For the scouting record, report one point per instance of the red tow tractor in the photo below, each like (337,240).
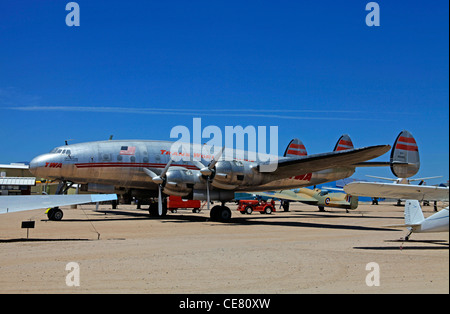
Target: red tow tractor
(250,206)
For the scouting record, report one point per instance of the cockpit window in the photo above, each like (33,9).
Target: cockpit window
(60,151)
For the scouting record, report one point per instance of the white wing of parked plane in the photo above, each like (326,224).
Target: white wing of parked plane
(398,191)
(16,203)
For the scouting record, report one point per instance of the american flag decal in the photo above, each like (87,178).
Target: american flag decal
(127,150)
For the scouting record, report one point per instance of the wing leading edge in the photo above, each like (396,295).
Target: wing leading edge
(287,167)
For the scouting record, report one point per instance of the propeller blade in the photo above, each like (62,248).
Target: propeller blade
(216,158)
(159,200)
(208,200)
(150,173)
(163,173)
(159,179)
(198,164)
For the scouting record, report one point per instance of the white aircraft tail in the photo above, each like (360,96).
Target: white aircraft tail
(413,213)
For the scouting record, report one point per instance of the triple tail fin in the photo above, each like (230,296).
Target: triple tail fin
(405,161)
(295,149)
(343,143)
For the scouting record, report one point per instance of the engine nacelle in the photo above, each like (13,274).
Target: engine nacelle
(180,181)
(215,195)
(231,174)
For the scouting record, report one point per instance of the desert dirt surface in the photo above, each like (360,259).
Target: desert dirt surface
(300,251)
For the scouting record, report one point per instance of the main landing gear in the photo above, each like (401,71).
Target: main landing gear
(54,214)
(220,213)
(153,209)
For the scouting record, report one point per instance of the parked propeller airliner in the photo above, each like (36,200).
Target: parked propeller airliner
(145,170)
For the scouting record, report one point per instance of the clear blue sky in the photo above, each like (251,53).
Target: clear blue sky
(313,68)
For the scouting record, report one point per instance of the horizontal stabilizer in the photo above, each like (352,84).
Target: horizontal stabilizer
(382,178)
(403,226)
(16,203)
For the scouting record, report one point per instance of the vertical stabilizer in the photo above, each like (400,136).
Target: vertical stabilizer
(413,213)
(343,143)
(295,149)
(405,161)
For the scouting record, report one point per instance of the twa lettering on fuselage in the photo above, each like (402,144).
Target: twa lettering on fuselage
(53,164)
(303,177)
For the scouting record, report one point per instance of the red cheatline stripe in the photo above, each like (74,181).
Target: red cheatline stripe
(134,165)
(347,143)
(407,147)
(294,152)
(297,146)
(406,139)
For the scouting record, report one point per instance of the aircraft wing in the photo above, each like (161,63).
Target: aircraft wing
(398,191)
(16,203)
(287,167)
(288,195)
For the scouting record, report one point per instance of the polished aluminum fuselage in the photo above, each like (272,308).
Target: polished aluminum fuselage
(109,163)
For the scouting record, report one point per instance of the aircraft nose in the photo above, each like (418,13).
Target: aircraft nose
(35,164)
(38,165)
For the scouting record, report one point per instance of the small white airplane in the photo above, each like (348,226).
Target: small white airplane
(415,221)
(16,203)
